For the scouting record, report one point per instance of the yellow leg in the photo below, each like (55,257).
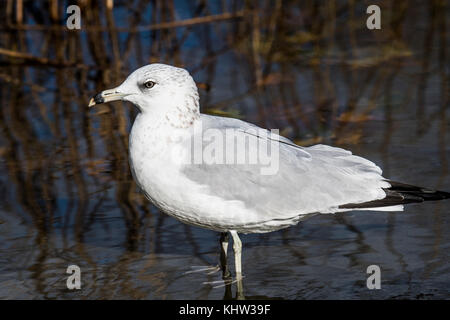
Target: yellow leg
(237,247)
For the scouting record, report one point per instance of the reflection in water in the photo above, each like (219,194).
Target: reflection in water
(312,70)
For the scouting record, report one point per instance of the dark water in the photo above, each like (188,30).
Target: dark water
(312,70)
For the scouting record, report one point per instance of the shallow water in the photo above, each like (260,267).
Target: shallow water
(68,196)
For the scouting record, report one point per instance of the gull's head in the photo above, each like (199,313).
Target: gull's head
(155,88)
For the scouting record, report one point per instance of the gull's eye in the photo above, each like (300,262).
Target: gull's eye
(149,84)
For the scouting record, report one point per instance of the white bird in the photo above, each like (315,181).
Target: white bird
(231,196)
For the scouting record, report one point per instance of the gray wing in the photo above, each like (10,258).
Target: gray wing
(308,180)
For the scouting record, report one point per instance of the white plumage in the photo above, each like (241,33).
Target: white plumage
(231,197)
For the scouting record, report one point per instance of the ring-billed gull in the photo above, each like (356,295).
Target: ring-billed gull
(187,165)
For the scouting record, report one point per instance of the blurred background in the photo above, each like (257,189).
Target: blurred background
(309,68)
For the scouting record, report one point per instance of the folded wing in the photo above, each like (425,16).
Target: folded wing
(306,180)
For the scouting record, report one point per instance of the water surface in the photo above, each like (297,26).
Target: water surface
(313,71)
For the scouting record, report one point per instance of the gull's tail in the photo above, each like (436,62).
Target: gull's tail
(399,194)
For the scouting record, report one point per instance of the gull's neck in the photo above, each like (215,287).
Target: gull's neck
(180,111)
(183,112)
(157,129)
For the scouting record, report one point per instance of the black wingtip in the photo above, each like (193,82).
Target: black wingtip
(443,195)
(426,194)
(401,193)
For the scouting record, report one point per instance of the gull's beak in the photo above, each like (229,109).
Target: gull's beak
(106,96)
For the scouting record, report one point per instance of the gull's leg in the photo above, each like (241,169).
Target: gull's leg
(223,255)
(237,247)
(226,276)
(240,290)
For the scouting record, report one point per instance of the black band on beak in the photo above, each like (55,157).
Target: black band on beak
(98,98)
